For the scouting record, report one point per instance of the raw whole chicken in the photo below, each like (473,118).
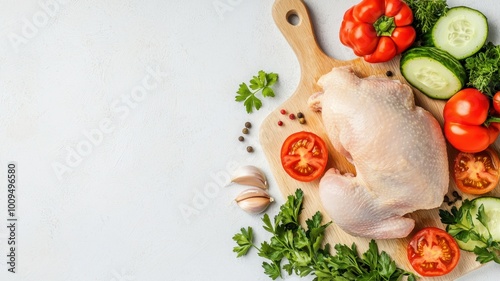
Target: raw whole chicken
(397,148)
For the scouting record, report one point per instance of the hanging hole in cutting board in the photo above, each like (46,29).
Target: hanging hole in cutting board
(293,18)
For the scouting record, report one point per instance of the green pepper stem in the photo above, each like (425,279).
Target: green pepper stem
(384,26)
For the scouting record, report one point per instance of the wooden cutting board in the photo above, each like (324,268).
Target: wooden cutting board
(292,18)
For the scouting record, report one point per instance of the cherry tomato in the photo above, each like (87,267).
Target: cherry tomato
(477,173)
(304,156)
(496,102)
(433,252)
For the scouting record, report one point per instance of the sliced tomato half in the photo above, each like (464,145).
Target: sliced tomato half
(304,156)
(476,173)
(433,252)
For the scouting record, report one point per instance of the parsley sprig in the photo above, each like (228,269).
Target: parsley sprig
(302,252)
(262,82)
(464,229)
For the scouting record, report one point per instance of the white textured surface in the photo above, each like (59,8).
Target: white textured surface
(71,77)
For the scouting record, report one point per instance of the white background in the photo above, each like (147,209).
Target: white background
(117,182)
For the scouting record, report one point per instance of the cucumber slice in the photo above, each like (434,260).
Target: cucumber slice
(492,210)
(434,72)
(462,32)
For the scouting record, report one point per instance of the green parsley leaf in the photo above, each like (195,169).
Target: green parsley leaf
(262,82)
(243,92)
(386,266)
(301,241)
(269,252)
(273,269)
(371,256)
(268,226)
(460,234)
(448,217)
(244,241)
(267,92)
(271,78)
(290,211)
(481,216)
(483,255)
(251,102)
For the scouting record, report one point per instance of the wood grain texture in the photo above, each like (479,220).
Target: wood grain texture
(314,63)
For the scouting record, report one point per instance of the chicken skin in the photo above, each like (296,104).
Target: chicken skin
(397,148)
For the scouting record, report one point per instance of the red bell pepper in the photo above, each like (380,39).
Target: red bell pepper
(467,124)
(378,30)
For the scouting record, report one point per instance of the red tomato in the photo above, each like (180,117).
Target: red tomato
(433,252)
(467,106)
(304,156)
(496,102)
(476,173)
(470,138)
(464,116)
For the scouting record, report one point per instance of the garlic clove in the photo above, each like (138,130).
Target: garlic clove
(254,200)
(250,175)
(250,180)
(252,192)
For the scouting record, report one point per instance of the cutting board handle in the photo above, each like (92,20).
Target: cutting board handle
(292,18)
